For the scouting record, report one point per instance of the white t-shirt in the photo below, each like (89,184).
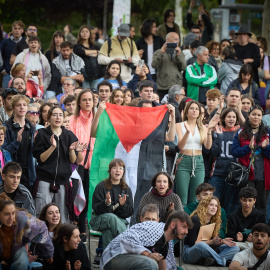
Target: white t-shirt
(150,51)
(33,64)
(248,259)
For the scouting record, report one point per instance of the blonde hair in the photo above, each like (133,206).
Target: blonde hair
(199,122)
(16,69)
(15,99)
(201,212)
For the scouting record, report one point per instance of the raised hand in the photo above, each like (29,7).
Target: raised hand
(218,129)
(74,145)
(101,107)
(187,127)
(108,198)
(239,237)
(53,141)
(213,122)
(77,265)
(265,142)
(81,147)
(171,206)
(123,199)
(251,143)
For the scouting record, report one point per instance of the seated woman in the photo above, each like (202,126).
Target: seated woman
(69,252)
(245,83)
(50,214)
(112,203)
(247,102)
(18,228)
(117,97)
(128,96)
(214,251)
(113,76)
(162,195)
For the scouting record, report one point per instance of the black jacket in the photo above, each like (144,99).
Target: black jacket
(57,167)
(61,256)
(238,223)
(141,44)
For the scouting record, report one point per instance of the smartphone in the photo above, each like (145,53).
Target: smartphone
(125,60)
(141,63)
(170,47)
(35,73)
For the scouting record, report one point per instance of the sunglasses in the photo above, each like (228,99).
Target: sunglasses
(54,104)
(33,113)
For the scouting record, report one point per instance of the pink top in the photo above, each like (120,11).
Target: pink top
(81,127)
(2,159)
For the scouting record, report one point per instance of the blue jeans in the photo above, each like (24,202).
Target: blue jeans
(49,94)
(192,255)
(230,193)
(131,262)
(20,260)
(5,80)
(90,84)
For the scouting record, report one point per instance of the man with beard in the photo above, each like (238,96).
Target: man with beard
(147,245)
(256,257)
(66,65)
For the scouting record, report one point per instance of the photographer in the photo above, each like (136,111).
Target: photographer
(169,62)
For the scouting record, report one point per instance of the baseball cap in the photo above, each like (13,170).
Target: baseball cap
(124,30)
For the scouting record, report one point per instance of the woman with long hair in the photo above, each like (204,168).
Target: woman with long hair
(245,82)
(112,75)
(251,144)
(87,49)
(190,166)
(43,112)
(112,203)
(80,124)
(54,49)
(247,102)
(222,153)
(69,251)
(215,251)
(117,97)
(128,96)
(18,228)
(162,195)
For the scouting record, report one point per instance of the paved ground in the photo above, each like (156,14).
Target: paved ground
(94,243)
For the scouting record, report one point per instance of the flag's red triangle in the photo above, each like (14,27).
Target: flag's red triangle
(133,124)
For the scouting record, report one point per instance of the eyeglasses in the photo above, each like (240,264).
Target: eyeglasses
(54,104)
(67,84)
(31,29)
(119,168)
(33,112)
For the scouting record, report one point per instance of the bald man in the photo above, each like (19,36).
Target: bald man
(169,62)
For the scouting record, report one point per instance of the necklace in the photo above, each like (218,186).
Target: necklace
(255,130)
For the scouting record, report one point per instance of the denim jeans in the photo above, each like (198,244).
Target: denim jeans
(230,193)
(201,250)
(20,260)
(49,94)
(5,80)
(186,181)
(131,262)
(90,84)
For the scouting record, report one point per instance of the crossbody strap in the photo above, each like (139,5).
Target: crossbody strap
(260,261)
(87,152)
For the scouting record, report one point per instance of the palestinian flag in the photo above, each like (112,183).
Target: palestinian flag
(135,135)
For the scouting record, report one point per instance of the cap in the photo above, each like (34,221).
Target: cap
(124,30)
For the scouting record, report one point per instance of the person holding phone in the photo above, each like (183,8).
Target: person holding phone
(203,21)
(169,61)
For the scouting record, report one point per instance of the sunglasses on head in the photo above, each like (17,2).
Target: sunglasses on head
(33,112)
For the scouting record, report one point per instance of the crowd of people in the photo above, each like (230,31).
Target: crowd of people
(217,95)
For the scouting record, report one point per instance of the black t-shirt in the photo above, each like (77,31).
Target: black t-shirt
(12,195)
(169,29)
(161,247)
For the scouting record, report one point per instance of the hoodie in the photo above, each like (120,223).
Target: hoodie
(56,169)
(228,72)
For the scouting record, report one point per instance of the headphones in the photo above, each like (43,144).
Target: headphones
(17,126)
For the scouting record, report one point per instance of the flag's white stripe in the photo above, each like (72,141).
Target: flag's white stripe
(131,160)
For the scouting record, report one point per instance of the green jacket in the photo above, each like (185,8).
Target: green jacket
(195,79)
(192,207)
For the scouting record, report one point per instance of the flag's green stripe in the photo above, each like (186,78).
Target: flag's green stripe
(104,150)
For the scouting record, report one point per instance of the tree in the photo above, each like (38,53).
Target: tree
(266,22)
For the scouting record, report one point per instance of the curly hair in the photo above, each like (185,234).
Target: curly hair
(211,44)
(201,212)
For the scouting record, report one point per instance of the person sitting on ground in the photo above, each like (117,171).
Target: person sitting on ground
(162,195)
(204,252)
(241,222)
(258,256)
(69,251)
(50,214)
(141,74)
(150,212)
(202,191)
(146,245)
(18,228)
(11,175)
(112,203)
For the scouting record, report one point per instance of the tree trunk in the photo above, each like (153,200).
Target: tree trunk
(266,23)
